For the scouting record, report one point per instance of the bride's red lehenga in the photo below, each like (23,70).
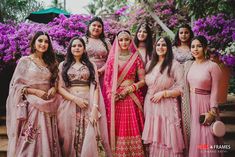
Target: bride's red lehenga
(125,116)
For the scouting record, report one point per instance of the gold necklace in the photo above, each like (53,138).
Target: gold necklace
(124,57)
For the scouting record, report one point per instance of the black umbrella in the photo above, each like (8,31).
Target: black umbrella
(46,15)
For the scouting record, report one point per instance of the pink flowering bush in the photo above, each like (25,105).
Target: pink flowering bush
(15,38)
(62,29)
(7,42)
(170,15)
(219,31)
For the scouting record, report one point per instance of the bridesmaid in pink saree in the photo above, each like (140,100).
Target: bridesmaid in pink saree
(32,103)
(162,128)
(82,108)
(123,77)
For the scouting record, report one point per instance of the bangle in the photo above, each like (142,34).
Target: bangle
(74,97)
(137,87)
(212,113)
(134,88)
(55,88)
(96,105)
(165,94)
(130,89)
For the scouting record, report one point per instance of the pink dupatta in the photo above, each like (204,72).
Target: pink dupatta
(90,148)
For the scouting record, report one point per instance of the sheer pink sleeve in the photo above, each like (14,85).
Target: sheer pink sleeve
(177,74)
(108,43)
(216,74)
(61,81)
(18,82)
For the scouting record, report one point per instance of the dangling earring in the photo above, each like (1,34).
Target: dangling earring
(206,55)
(33,49)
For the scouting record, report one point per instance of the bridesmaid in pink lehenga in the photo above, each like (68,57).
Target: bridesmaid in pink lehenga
(82,104)
(162,128)
(32,103)
(124,75)
(200,97)
(97,46)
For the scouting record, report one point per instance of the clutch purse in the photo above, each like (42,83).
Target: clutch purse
(217,127)
(21,112)
(22,108)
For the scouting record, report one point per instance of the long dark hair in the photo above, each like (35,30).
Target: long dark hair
(69,59)
(177,41)
(48,56)
(102,36)
(168,58)
(148,41)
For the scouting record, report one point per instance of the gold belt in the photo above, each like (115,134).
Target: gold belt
(200,91)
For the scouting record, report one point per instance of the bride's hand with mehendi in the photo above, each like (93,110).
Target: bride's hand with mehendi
(123,93)
(157,97)
(80,102)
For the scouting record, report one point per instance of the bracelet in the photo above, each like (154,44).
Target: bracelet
(212,113)
(55,89)
(130,89)
(24,91)
(96,105)
(133,87)
(165,94)
(74,97)
(137,87)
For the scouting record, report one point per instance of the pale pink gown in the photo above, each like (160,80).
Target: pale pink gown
(162,128)
(206,77)
(36,135)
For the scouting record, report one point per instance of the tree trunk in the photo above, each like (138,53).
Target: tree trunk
(163,26)
(169,32)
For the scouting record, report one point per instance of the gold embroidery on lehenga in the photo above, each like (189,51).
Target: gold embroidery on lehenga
(30,133)
(81,125)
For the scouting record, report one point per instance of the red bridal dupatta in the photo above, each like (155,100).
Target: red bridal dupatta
(113,77)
